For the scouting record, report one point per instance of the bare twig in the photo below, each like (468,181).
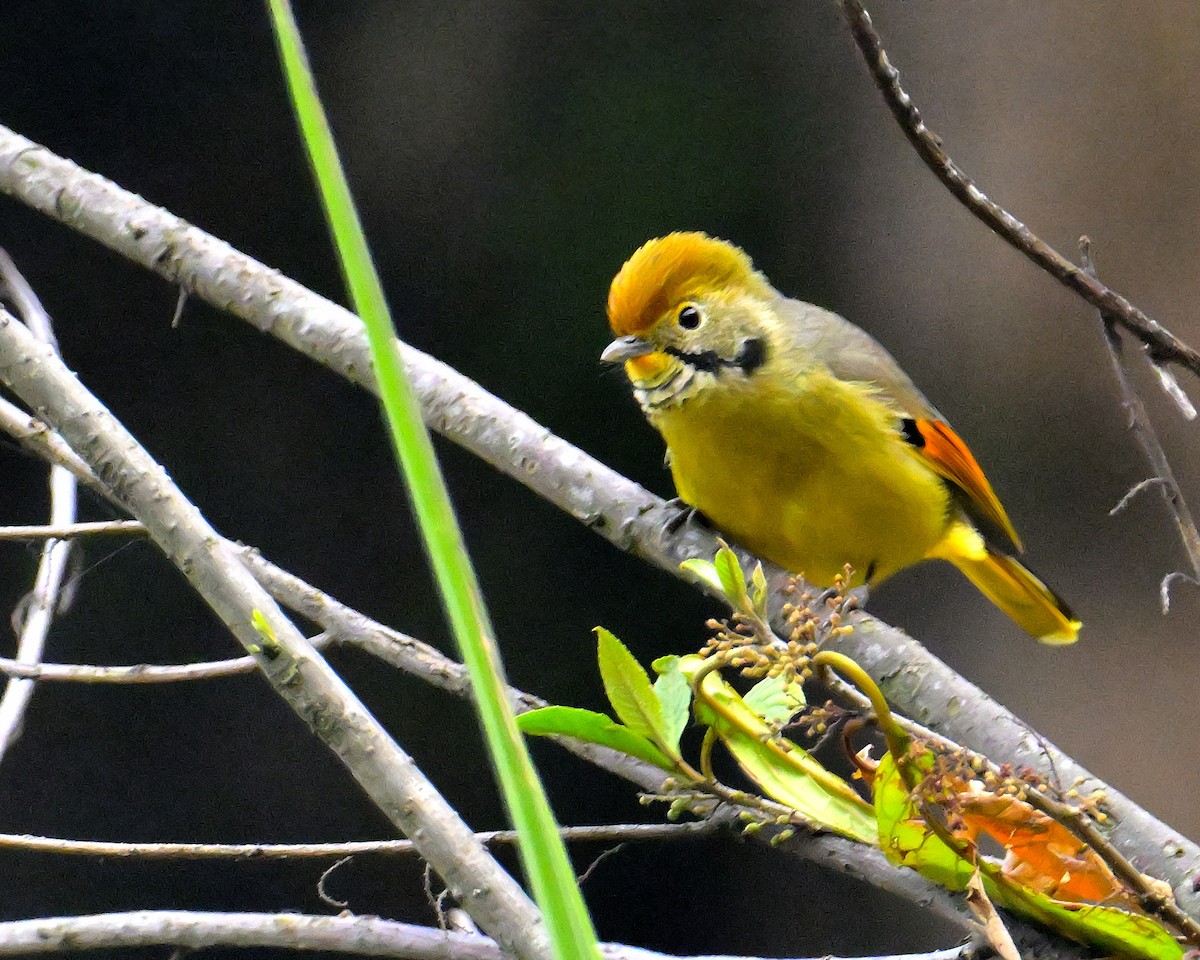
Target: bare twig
(1164,587)
(137,673)
(297,672)
(1131,494)
(72,531)
(37,610)
(365,936)
(1174,392)
(1161,343)
(1147,438)
(16,290)
(584,877)
(604,833)
(355,629)
(324,894)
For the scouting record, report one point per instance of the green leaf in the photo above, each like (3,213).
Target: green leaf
(675,697)
(733,581)
(705,572)
(1108,929)
(788,774)
(758,592)
(903,835)
(629,689)
(775,700)
(594,728)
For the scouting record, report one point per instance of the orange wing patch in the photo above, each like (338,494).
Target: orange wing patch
(944,450)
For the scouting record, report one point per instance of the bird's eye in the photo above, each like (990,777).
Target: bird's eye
(689,317)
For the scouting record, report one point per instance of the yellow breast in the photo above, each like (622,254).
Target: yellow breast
(808,471)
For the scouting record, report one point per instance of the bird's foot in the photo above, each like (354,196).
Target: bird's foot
(852,599)
(856,598)
(684,515)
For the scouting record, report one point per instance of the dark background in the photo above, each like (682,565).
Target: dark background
(507,157)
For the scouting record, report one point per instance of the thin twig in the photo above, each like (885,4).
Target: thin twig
(1162,344)
(604,833)
(1131,494)
(365,936)
(73,531)
(584,877)
(137,673)
(355,629)
(37,610)
(1171,387)
(1144,433)
(16,290)
(324,894)
(40,441)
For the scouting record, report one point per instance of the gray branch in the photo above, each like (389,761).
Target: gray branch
(1161,343)
(364,936)
(294,668)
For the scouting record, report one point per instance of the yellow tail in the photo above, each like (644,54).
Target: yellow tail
(1037,609)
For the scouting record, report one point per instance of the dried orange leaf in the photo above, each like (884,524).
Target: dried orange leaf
(1042,854)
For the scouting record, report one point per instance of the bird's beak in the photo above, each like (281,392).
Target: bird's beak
(626,348)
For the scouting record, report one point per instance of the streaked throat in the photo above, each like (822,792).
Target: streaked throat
(679,382)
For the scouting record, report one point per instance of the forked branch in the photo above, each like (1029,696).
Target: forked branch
(1162,345)
(295,670)
(1146,436)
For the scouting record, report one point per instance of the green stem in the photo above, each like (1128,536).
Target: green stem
(896,736)
(706,750)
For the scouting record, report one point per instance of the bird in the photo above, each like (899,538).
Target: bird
(794,432)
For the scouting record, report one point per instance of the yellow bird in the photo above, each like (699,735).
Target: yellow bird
(797,434)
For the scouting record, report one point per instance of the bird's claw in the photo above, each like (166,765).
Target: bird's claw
(684,514)
(856,598)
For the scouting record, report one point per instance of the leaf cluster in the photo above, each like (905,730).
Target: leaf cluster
(930,807)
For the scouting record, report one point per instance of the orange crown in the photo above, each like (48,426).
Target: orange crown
(667,270)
